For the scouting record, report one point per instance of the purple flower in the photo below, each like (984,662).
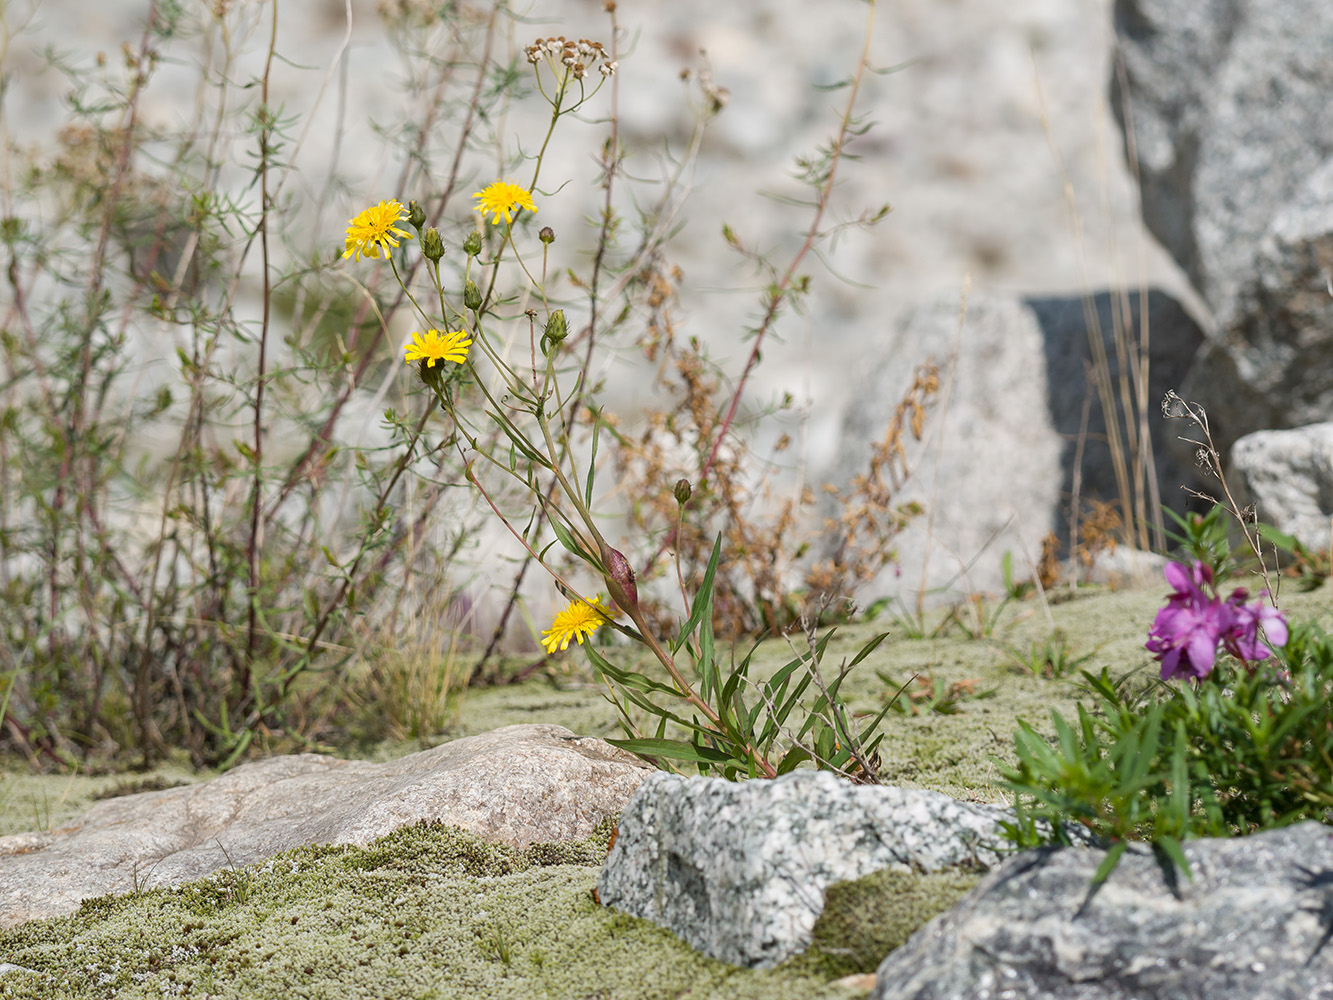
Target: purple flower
(1186,633)
(1242,639)
(1189,581)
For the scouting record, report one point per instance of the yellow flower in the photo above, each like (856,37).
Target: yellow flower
(432,346)
(579,619)
(502,199)
(374,228)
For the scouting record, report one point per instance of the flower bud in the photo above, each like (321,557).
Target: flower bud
(472,245)
(431,244)
(556,328)
(416,215)
(431,377)
(471,295)
(620,580)
(547,235)
(682,491)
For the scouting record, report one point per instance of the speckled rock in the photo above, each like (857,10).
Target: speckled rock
(1255,921)
(518,785)
(1232,127)
(1288,475)
(739,869)
(1021,391)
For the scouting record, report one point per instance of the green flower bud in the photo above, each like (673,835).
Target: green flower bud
(472,245)
(432,377)
(416,215)
(431,244)
(471,295)
(556,328)
(547,235)
(682,491)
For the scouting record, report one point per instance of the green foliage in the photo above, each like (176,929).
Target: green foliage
(1231,755)
(1309,567)
(931,696)
(1049,657)
(1203,538)
(761,727)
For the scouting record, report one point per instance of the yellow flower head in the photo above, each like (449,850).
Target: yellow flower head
(579,619)
(502,199)
(432,346)
(375,228)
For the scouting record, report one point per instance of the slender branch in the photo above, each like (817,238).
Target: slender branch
(266,123)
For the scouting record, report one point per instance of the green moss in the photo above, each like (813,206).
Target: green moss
(866,919)
(425,912)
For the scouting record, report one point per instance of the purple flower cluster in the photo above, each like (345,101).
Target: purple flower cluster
(1186,633)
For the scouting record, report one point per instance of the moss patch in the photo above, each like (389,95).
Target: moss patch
(866,919)
(426,912)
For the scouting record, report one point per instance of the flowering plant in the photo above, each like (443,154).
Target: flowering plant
(514,416)
(1186,634)
(1234,752)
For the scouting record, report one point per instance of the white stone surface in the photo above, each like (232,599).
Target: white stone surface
(518,785)
(1288,475)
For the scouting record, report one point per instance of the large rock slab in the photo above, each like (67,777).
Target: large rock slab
(1021,429)
(1227,104)
(518,785)
(1288,475)
(1255,921)
(739,869)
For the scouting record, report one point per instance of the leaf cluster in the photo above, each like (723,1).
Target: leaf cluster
(1234,754)
(791,718)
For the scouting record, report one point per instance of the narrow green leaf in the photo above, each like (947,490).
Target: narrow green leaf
(866,650)
(672,750)
(571,544)
(1170,846)
(592,461)
(1109,862)
(703,599)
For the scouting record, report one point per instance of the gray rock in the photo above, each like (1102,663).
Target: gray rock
(1125,567)
(1273,365)
(1173,339)
(1232,123)
(1288,475)
(518,785)
(1256,921)
(739,869)
(1003,454)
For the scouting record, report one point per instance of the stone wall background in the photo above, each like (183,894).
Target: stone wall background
(993,140)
